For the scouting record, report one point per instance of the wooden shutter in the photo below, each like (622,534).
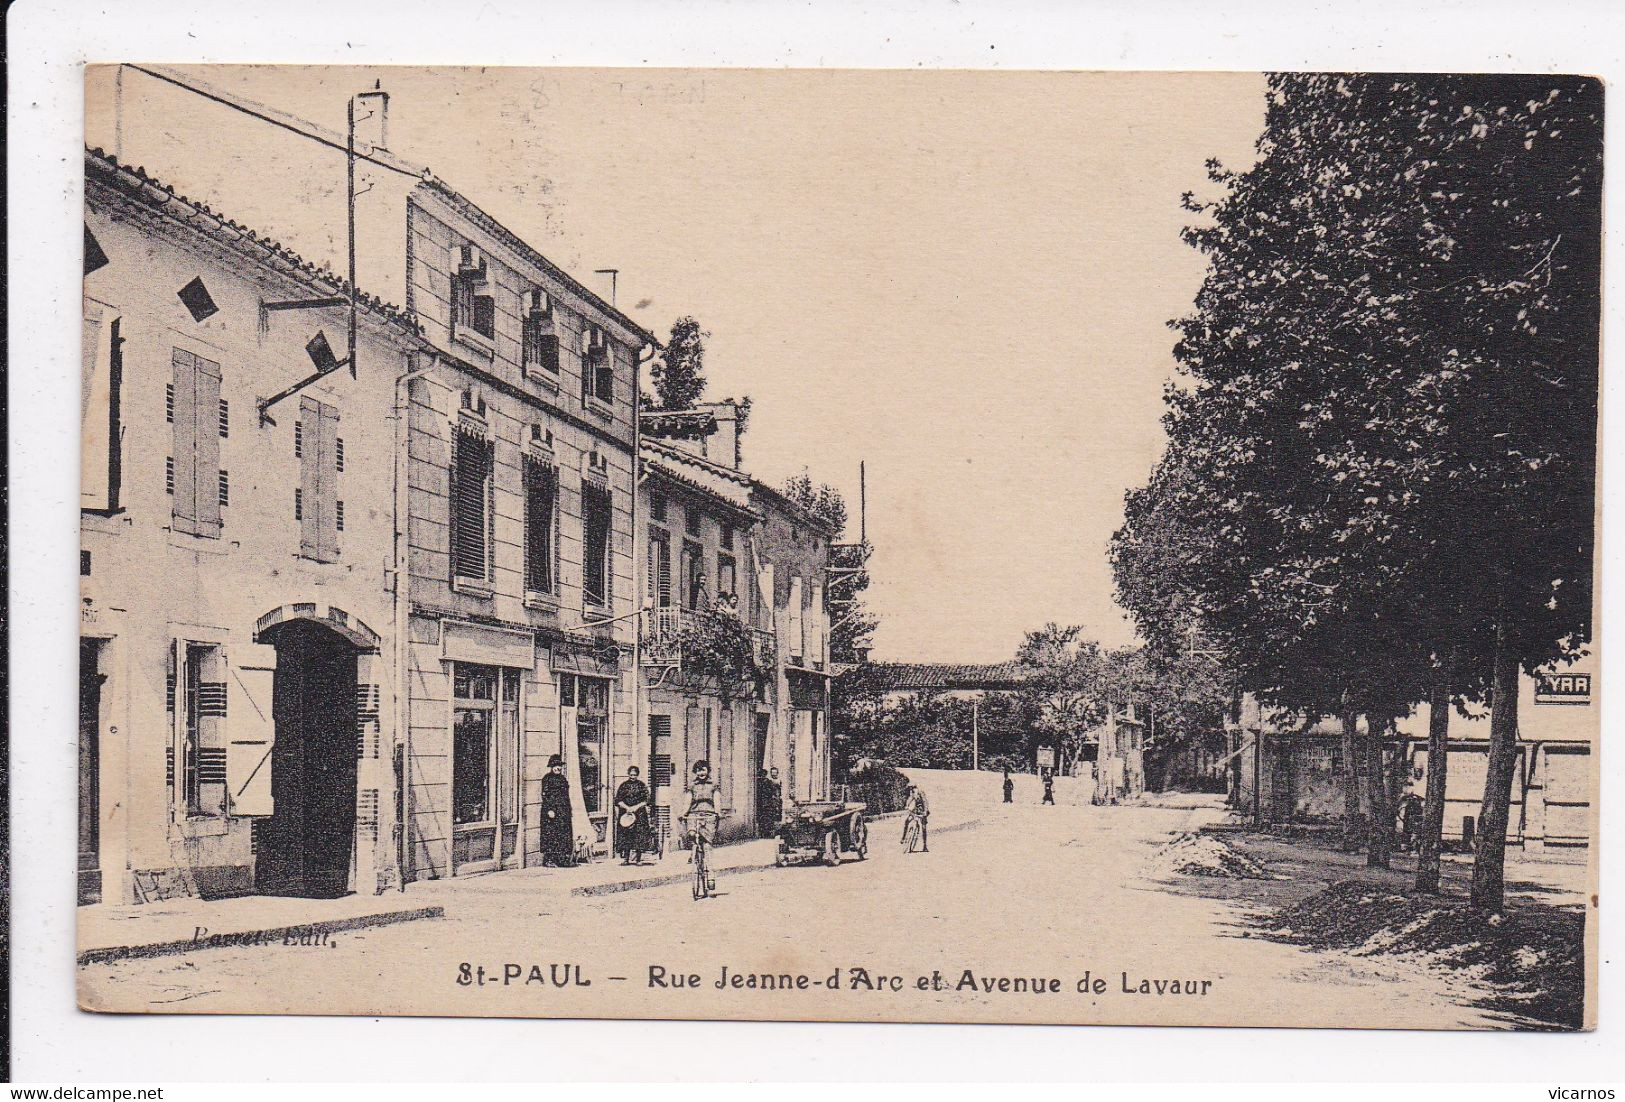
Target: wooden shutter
(327,482)
(471,463)
(206,441)
(660,568)
(816,643)
(798,639)
(541,490)
(309,464)
(605,367)
(250,729)
(183,510)
(596,514)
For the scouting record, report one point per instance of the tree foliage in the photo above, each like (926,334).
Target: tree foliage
(678,374)
(1381,446)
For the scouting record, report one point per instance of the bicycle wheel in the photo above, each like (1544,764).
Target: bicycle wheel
(702,887)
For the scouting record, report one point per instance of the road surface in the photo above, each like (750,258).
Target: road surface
(1018,913)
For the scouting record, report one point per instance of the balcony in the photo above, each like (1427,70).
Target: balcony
(712,642)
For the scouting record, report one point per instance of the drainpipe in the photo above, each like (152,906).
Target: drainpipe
(639,585)
(403,696)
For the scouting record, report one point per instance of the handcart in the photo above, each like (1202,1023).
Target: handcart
(822,830)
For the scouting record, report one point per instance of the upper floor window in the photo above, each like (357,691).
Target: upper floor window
(194,468)
(470,506)
(473,307)
(541,343)
(541,497)
(597,366)
(597,514)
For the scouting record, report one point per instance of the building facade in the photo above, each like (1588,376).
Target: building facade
(522,584)
(236,702)
(1285,771)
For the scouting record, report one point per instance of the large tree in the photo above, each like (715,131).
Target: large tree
(678,374)
(1378,483)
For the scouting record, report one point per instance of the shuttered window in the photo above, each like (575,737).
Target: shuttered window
(541,497)
(195,417)
(470,505)
(659,567)
(317,502)
(596,513)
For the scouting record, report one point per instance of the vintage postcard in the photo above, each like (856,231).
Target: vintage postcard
(927,546)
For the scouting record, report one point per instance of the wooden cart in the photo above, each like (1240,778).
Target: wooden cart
(824,831)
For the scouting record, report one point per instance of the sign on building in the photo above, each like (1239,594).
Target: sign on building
(1563,688)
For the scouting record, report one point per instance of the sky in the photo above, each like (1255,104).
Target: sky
(960,279)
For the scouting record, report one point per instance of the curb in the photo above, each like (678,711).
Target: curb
(266,936)
(663,881)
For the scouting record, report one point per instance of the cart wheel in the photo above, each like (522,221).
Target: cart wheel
(860,838)
(832,848)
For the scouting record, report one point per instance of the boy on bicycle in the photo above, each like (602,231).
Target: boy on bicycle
(703,800)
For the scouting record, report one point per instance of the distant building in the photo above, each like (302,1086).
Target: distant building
(954,680)
(1285,771)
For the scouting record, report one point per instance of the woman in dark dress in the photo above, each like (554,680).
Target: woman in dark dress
(632,818)
(558,837)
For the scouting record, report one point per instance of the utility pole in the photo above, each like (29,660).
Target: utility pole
(975,736)
(349,189)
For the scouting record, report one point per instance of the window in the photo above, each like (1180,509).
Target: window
(225,489)
(541,498)
(597,512)
(541,344)
(659,567)
(200,728)
(694,595)
(338,454)
(691,520)
(470,505)
(316,506)
(473,310)
(225,419)
(338,515)
(657,507)
(474,690)
(597,366)
(727,579)
(592,720)
(196,444)
(727,537)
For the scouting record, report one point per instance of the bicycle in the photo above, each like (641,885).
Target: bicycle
(704,883)
(911,834)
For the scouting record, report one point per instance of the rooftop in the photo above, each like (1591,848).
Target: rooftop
(929,675)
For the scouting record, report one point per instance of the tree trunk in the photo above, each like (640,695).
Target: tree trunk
(1353,821)
(1380,835)
(1431,839)
(1489,860)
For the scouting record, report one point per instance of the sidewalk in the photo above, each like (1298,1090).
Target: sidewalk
(108,932)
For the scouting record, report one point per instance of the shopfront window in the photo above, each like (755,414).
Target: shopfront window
(474,722)
(592,723)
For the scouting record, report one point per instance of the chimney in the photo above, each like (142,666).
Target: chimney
(722,446)
(372,117)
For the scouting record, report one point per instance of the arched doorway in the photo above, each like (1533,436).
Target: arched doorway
(304,848)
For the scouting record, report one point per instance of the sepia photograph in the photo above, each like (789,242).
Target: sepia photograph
(840,545)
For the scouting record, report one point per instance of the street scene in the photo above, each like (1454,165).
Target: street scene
(684,544)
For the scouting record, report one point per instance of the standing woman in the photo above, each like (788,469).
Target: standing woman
(558,838)
(632,818)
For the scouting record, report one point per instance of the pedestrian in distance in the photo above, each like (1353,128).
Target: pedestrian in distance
(1049,787)
(769,802)
(632,833)
(558,834)
(916,817)
(1009,787)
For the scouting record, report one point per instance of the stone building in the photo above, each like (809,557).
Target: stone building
(522,576)
(237,709)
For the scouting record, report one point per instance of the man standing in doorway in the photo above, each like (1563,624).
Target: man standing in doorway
(558,836)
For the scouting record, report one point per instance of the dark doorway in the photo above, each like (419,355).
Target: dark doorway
(304,848)
(90,728)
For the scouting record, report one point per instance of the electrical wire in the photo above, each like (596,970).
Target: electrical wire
(224,102)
